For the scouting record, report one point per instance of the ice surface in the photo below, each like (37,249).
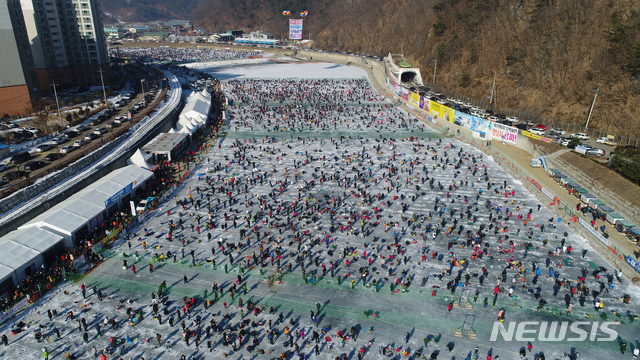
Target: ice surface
(353,168)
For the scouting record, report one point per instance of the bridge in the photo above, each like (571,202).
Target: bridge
(404,73)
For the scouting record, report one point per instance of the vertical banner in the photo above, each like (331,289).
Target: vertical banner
(295,29)
(415,99)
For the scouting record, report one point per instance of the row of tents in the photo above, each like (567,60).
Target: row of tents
(597,206)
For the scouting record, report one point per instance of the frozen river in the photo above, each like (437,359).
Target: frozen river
(355,212)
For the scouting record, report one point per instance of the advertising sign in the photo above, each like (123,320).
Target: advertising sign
(436,109)
(405,94)
(481,126)
(448,113)
(415,99)
(424,103)
(508,134)
(7,314)
(594,232)
(295,29)
(112,200)
(634,264)
(133,208)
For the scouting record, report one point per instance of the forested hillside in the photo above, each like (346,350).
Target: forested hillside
(149,10)
(548,54)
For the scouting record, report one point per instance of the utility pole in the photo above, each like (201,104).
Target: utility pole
(104,92)
(402,50)
(55,93)
(493,90)
(591,110)
(142,88)
(434,70)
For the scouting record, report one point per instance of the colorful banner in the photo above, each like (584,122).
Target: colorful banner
(634,264)
(508,134)
(405,94)
(415,99)
(535,137)
(295,29)
(594,232)
(436,109)
(463,119)
(424,104)
(448,114)
(481,125)
(9,313)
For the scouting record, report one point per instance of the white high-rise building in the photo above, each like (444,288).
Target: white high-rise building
(67,42)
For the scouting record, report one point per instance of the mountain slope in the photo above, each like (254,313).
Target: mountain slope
(149,10)
(548,55)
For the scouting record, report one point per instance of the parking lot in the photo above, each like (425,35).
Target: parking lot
(92,131)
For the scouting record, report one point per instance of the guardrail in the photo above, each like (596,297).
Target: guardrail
(138,133)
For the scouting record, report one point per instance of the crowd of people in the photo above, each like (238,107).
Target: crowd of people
(301,91)
(179,54)
(373,203)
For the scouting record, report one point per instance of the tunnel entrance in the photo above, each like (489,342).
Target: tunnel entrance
(407,76)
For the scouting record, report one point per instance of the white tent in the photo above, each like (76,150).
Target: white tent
(141,159)
(87,208)
(24,248)
(195,112)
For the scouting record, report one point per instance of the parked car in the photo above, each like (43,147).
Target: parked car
(81,128)
(557,131)
(59,140)
(44,147)
(606,141)
(144,204)
(67,149)
(79,142)
(53,156)
(120,119)
(596,152)
(542,127)
(3,167)
(90,136)
(113,124)
(71,134)
(564,141)
(13,175)
(537,131)
(20,157)
(581,136)
(99,131)
(34,165)
(513,119)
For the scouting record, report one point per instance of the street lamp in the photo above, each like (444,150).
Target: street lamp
(591,110)
(142,87)
(104,93)
(57,103)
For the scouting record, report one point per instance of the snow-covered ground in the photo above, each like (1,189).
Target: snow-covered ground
(289,71)
(319,182)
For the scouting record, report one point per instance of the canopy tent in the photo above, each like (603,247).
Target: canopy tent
(574,185)
(586,197)
(626,223)
(554,171)
(141,159)
(595,203)
(581,190)
(605,208)
(613,217)
(565,180)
